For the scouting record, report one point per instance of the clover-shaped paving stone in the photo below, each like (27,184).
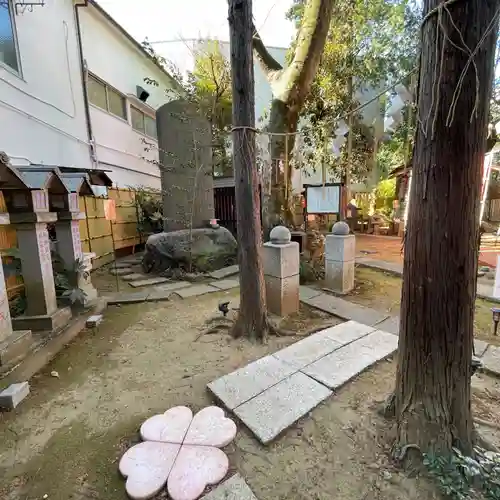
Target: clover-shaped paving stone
(179,450)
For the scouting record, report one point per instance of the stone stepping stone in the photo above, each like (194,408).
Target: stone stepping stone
(163,292)
(135,277)
(306,292)
(390,325)
(307,351)
(241,385)
(225,284)
(119,265)
(491,360)
(195,290)
(235,488)
(347,332)
(127,298)
(335,369)
(225,272)
(277,408)
(345,309)
(148,282)
(121,271)
(480,347)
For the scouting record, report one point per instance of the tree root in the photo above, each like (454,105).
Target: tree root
(387,409)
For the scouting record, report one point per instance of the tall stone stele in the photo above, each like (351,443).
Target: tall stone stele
(185,153)
(281,262)
(340,249)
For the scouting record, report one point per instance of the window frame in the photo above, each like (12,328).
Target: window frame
(12,15)
(144,116)
(108,87)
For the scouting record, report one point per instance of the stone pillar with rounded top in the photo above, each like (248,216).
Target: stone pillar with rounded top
(340,249)
(281,272)
(13,345)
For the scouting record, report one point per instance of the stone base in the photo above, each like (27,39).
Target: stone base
(15,347)
(282,295)
(54,322)
(339,276)
(90,295)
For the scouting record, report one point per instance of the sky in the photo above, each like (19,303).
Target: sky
(176,22)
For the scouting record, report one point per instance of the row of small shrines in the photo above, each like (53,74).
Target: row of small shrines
(35,196)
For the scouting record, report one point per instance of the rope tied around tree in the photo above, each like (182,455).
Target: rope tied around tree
(440,11)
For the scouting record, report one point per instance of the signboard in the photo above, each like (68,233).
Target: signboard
(110,209)
(323,199)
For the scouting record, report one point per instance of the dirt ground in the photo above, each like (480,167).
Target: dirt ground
(66,439)
(382,291)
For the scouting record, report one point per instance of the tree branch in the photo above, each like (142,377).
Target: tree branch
(267,62)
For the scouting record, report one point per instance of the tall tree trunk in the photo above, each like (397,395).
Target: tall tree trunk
(290,87)
(433,406)
(252,318)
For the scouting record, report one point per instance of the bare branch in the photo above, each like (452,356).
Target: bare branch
(267,61)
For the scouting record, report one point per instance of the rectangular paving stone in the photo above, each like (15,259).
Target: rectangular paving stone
(277,408)
(347,332)
(381,265)
(345,363)
(163,292)
(13,395)
(234,488)
(480,347)
(225,272)
(120,271)
(306,292)
(491,360)
(127,298)
(135,277)
(225,284)
(390,325)
(345,309)
(247,382)
(195,290)
(307,351)
(148,282)
(120,265)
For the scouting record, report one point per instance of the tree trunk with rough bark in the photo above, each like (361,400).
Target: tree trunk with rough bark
(433,402)
(252,318)
(290,87)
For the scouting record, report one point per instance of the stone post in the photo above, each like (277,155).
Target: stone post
(13,345)
(340,248)
(281,272)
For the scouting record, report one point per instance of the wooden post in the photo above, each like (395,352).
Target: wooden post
(252,318)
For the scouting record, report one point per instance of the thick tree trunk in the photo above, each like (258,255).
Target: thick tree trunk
(252,318)
(433,407)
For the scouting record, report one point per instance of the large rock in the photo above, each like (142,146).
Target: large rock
(210,249)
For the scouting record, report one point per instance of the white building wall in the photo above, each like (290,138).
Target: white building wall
(42,117)
(113,58)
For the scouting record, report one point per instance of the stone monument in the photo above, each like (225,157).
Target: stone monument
(340,249)
(184,145)
(281,262)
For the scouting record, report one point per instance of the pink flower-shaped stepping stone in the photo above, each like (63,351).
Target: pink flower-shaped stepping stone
(179,450)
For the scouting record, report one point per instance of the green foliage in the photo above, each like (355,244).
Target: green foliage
(66,280)
(150,213)
(371,42)
(462,478)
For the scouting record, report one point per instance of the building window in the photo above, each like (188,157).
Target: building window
(105,97)
(142,122)
(8,42)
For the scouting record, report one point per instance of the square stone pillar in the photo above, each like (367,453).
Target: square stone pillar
(36,262)
(85,282)
(340,253)
(281,261)
(13,345)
